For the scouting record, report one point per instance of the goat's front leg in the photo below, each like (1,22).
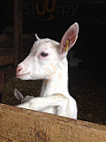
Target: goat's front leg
(40,103)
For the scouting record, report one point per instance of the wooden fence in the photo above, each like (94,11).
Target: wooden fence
(21,125)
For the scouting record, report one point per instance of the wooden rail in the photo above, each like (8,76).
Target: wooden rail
(21,125)
(6,60)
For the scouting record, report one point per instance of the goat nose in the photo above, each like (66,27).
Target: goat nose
(18,69)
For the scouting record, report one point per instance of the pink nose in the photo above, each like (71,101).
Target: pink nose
(18,69)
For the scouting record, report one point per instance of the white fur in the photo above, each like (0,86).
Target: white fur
(53,70)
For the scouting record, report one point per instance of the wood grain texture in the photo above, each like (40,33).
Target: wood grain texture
(21,125)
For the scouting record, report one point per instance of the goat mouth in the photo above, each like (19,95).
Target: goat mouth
(21,75)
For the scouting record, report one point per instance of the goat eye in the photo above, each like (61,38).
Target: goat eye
(44,54)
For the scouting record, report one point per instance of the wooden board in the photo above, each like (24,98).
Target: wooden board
(18,4)
(21,125)
(5,60)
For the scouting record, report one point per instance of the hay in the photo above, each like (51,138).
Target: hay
(91,100)
(31,88)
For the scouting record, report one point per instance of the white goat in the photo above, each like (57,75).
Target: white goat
(47,61)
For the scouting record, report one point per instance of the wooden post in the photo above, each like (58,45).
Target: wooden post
(18,14)
(21,125)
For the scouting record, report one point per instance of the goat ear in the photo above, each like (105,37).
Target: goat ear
(18,95)
(69,39)
(36,36)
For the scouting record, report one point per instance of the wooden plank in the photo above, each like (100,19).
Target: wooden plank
(10,37)
(17,29)
(5,60)
(21,125)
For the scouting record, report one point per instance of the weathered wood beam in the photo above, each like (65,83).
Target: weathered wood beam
(21,125)
(6,60)
(17,28)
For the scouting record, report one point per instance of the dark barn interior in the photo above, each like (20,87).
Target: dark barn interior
(21,19)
